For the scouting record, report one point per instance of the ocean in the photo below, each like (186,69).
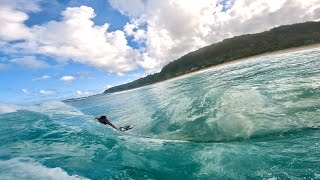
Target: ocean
(252,119)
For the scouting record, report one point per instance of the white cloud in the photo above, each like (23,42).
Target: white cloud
(138,75)
(45,77)
(42,78)
(132,29)
(12,27)
(30,62)
(165,30)
(129,7)
(84,42)
(25,91)
(84,75)
(67,78)
(12,17)
(83,92)
(74,38)
(22,5)
(109,86)
(172,28)
(8,108)
(46,92)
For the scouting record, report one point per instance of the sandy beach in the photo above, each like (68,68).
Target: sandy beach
(294,49)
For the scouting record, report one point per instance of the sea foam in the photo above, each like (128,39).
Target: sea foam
(27,168)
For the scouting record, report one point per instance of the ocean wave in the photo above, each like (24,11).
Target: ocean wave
(55,107)
(49,108)
(232,115)
(28,168)
(8,108)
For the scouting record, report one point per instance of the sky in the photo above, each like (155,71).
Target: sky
(59,49)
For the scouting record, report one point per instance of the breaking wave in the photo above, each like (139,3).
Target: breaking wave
(256,118)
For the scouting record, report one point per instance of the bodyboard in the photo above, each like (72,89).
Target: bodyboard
(126,128)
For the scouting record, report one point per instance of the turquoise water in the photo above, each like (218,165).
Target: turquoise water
(255,119)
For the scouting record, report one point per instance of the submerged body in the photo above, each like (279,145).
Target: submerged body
(105,121)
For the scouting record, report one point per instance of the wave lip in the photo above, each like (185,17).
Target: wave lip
(49,108)
(8,108)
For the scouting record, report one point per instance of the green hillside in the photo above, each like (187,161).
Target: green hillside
(238,47)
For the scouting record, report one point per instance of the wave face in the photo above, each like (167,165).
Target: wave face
(255,119)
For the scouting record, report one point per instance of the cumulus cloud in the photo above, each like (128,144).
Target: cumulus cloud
(164,30)
(67,78)
(172,28)
(30,62)
(74,38)
(88,43)
(12,27)
(46,92)
(132,29)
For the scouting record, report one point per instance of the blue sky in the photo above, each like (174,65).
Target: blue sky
(21,84)
(62,49)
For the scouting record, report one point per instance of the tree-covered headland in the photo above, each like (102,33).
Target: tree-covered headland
(231,49)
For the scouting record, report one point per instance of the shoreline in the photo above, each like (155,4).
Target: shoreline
(283,51)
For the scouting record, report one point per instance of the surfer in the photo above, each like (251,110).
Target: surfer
(105,121)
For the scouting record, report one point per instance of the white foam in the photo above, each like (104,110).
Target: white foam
(49,108)
(8,108)
(151,140)
(211,159)
(56,107)
(232,119)
(27,168)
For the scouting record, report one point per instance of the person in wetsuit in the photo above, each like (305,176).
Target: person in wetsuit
(105,121)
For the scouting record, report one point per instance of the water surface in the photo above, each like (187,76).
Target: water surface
(255,119)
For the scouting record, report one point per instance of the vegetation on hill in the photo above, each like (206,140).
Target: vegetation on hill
(238,47)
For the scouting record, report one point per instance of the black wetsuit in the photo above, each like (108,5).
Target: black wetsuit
(107,122)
